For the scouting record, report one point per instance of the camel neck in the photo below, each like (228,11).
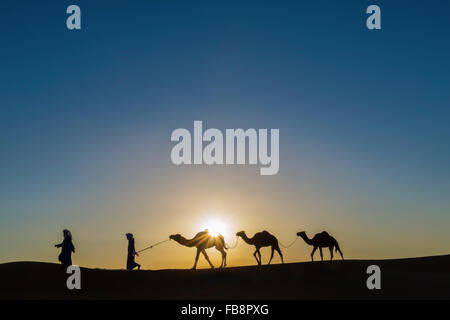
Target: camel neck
(247,239)
(185,242)
(306,239)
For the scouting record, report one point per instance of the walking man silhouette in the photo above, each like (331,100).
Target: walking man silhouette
(131,264)
(65,257)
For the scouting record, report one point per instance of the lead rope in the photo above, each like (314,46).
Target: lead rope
(290,245)
(235,245)
(153,245)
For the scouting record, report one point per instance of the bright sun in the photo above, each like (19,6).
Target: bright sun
(215,227)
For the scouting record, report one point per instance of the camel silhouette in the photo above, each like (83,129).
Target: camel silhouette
(202,241)
(259,240)
(321,240)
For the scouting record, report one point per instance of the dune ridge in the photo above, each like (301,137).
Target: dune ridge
(411,278)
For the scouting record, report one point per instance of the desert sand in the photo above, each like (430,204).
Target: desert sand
(413,278)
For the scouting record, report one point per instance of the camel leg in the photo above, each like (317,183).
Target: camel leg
(224,257)
(331,253)
(281,255)
(196,259)
(259,255)
(271,255)
(256,257)
(321,254)
(312,253)
(220,250)
(340,252)
(277,248)
(207,258)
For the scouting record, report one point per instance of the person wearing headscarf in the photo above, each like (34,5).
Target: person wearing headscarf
(67,247)
(131,264)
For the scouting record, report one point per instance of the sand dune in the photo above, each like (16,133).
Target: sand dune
(427,277)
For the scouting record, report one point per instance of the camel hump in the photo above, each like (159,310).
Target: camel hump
(267,235)
(324,233)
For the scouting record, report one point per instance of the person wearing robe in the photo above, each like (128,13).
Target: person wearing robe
(131,264)
(67,247)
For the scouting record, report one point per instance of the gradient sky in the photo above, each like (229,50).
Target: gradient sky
(86,118)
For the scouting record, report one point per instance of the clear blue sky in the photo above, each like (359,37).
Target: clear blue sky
(86,117)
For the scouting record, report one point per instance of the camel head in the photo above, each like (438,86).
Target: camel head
(240,233)
(301,234)
(175,237)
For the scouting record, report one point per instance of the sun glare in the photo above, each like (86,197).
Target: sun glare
(215,227)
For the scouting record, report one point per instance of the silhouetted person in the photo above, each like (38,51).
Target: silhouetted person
(131,264)
(65,257)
